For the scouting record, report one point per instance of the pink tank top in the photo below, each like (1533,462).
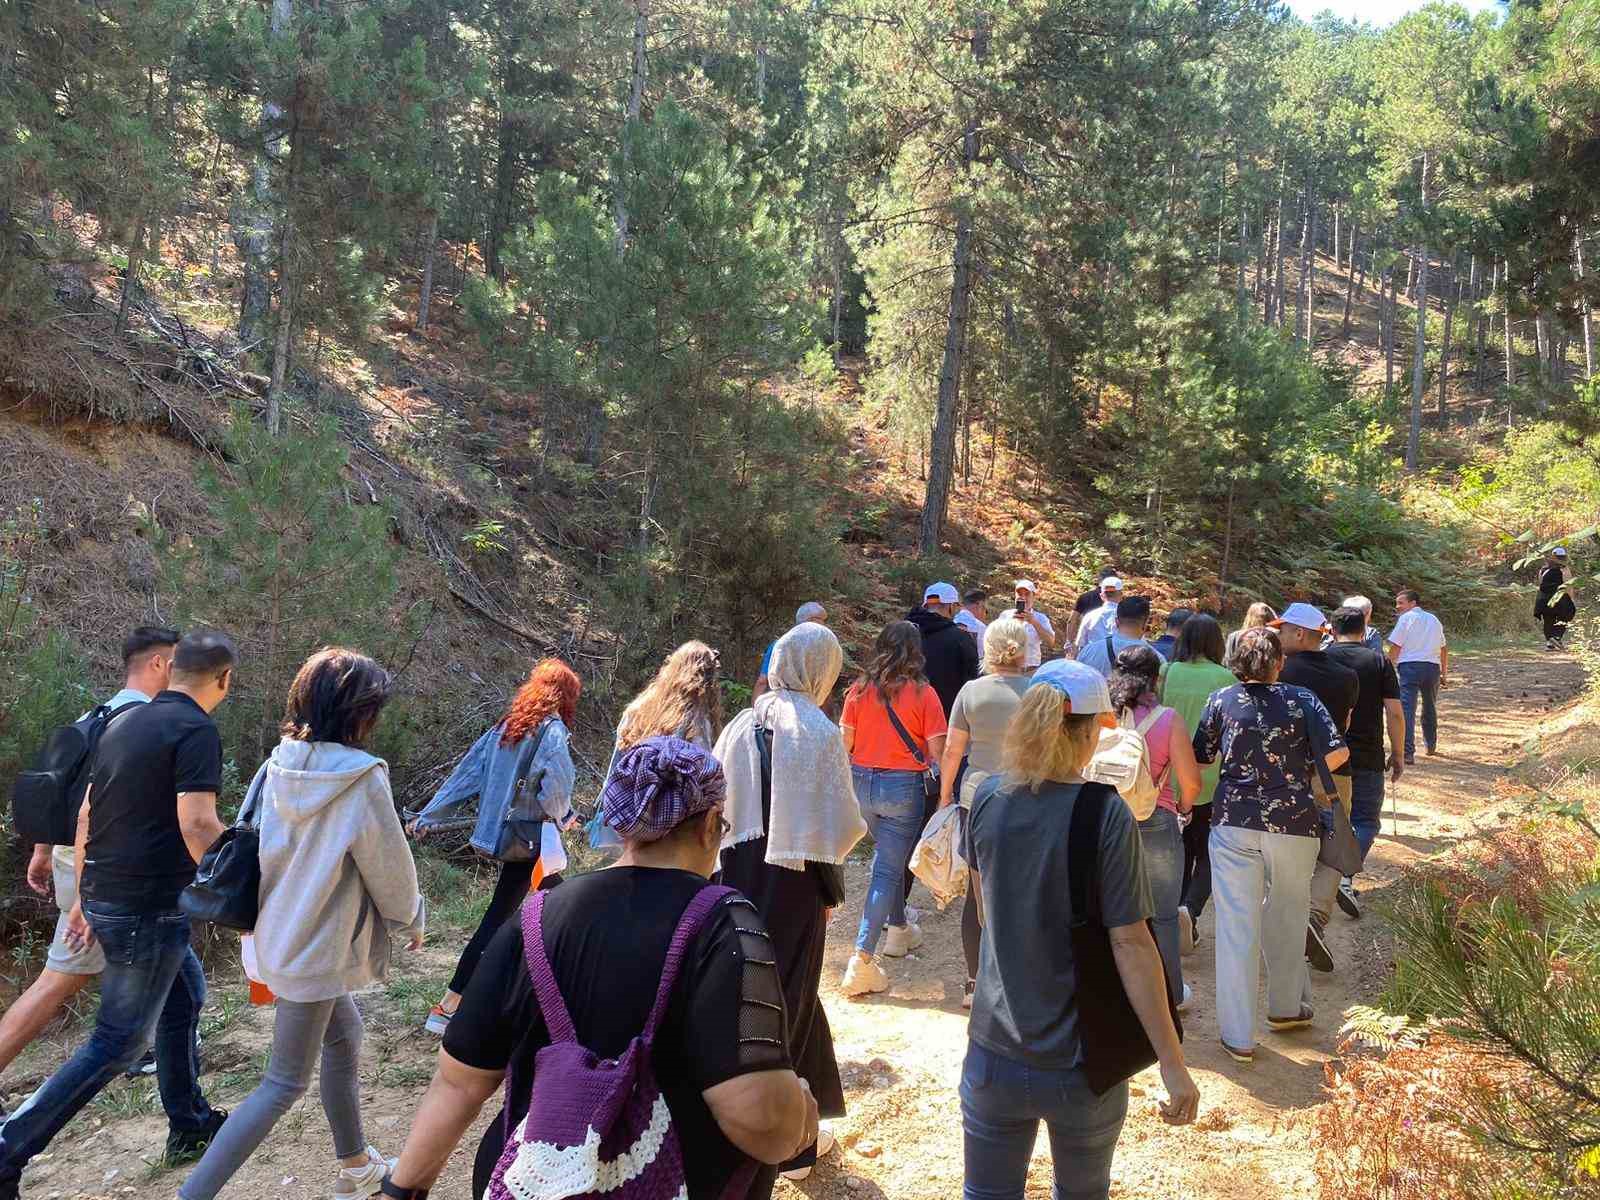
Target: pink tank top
(1158,744)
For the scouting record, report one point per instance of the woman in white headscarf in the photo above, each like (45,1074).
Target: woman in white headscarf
(792,818)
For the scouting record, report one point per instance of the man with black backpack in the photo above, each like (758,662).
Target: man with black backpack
(147,667)
(148,816)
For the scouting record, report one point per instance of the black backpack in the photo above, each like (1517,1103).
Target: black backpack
(45,802)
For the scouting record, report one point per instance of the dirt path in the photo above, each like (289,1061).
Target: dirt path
(902,1053)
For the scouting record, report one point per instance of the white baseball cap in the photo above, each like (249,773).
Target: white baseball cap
(1024,585)
(1559,552)
(943,593)
(1111,583)
(1304,615)
(1084,687)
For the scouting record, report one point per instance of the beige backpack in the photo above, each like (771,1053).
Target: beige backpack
(1122,759)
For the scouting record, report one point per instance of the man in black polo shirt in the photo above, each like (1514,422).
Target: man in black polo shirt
(150,813)
(1378,705)
(1307,665)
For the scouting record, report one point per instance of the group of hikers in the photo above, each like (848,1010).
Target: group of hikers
(658,1033)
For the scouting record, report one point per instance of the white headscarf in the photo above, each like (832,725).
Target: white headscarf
(815,817)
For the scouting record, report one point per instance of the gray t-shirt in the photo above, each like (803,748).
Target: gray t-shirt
(982,710)
(1025,1007)
(1094,654)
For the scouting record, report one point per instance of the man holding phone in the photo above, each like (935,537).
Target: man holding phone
(1041,634)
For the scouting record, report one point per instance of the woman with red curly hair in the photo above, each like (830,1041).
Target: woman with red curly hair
(522,775)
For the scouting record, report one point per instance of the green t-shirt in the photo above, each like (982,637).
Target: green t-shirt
(1186,686)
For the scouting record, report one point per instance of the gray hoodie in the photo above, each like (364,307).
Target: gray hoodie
(337,879)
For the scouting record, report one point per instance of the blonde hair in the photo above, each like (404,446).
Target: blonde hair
(683,693)
(1258,615)
(1046,740)
(1005,643)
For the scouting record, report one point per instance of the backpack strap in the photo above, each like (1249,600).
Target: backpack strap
(1083,852)
(689,925)
(1111,654)
(905,736)
(556,1017)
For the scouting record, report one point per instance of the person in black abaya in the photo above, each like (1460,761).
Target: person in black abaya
(793,817)
(1555,605)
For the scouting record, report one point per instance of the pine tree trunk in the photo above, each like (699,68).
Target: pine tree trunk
(1311,276)
(1391,305)
(1306,252)
(941,459)
(1227,546)
(256,227)
(1450,302)
(1350,280)
(1241,303)
(1505,285)
(1588,333)
(130,279)
(641,21)
(1277,282)
(1418,363)
(425,293)
(1483,325)
(1336,242)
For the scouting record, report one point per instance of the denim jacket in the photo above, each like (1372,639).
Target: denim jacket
(489,772)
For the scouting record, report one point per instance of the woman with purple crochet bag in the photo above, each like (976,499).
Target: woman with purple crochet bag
(636,1017)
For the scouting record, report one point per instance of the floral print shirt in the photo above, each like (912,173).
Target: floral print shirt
(1270,738)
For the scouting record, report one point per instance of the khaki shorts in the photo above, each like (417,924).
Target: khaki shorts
(91,960)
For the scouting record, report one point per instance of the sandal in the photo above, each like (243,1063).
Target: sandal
(1239,1056)
(1284,1024)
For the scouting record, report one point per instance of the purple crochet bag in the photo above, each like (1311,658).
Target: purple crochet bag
(597,1127)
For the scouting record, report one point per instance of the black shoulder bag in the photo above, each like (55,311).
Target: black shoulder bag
(227,884)
(1114,1044)
(829,877)
(930,781)
(518,838)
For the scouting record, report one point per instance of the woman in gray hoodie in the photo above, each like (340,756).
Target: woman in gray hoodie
(337,881)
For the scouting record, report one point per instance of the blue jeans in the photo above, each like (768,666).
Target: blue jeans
(891,805)
(1366,805)
(1420,679)
(152,988)
(1002,1103)
(1162,843)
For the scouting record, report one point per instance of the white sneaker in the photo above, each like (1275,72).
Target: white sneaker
(1185,931)
(863,976)
(901,940)
(825,1144)
(363,1181)
(1188,995)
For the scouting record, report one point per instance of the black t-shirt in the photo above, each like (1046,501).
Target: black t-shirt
(1335,684)
(1376,675)
(136,854)
(606,935)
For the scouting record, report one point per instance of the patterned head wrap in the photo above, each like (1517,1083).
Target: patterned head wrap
(657,785)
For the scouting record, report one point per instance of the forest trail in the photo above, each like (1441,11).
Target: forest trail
(901,1054)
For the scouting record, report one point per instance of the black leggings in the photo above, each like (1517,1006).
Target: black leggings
(1197,861)
(509,892)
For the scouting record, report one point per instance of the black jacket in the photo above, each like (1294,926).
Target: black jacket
(951,652)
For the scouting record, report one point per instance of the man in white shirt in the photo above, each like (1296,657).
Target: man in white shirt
(1041,634)
(1422,660)
(971,613)
(1102,622)
(147,668)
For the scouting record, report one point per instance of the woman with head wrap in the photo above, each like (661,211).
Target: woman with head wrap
(793,817)
(719,1055)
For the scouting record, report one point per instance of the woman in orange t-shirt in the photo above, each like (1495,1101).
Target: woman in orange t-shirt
(888,782)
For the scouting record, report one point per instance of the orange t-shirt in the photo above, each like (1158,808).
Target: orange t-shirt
(877,744)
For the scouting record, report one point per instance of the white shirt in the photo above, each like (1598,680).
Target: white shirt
(1033,657)
(1419,635)
(972,625)
(1097,625)
(66,856)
